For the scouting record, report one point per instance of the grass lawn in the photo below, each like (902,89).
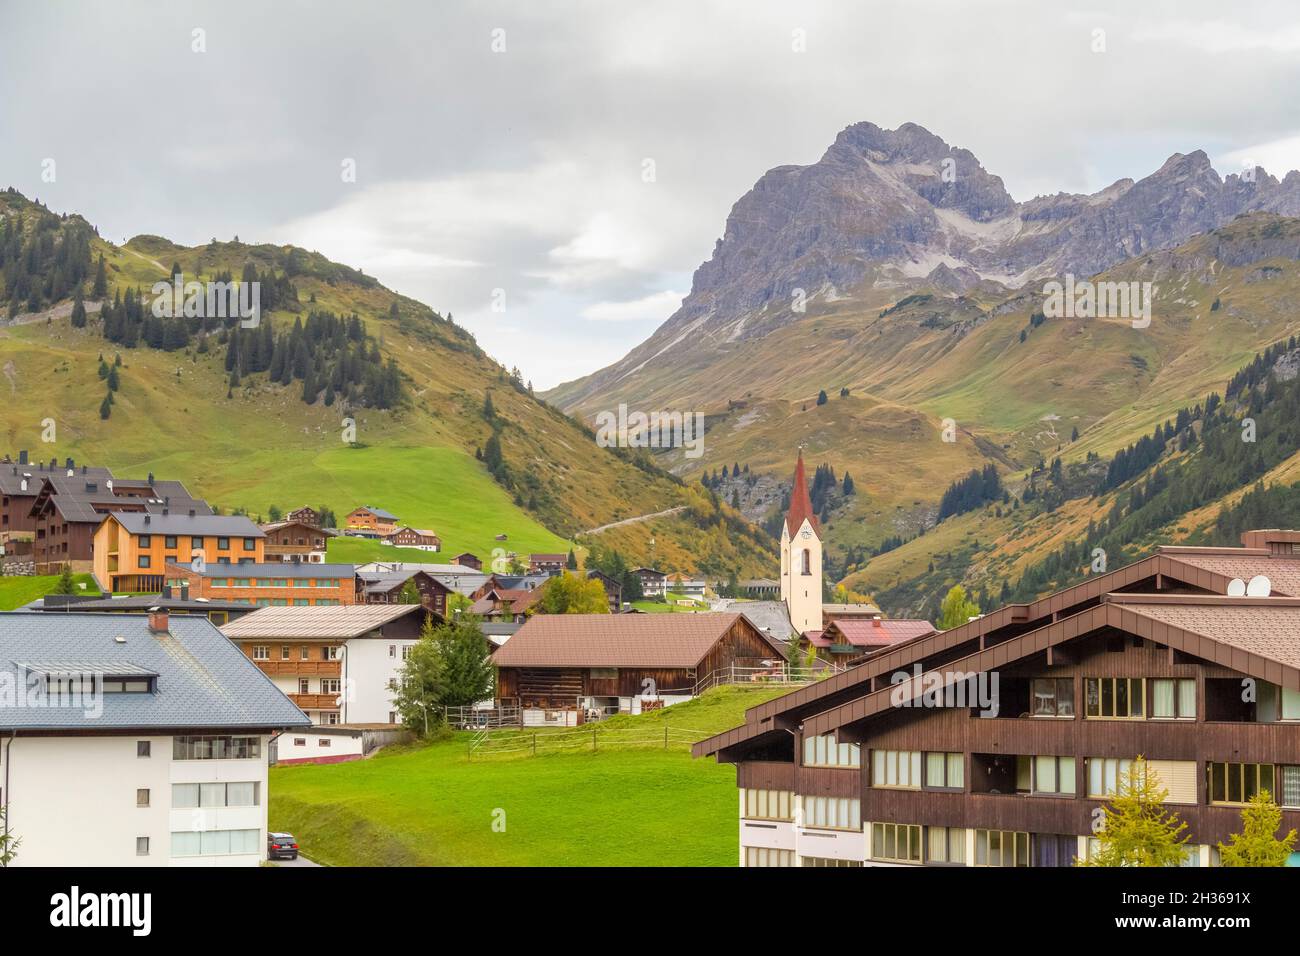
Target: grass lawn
(430,806)
(17,591)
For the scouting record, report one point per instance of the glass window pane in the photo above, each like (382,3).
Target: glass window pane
(1045,775)
(1066,772)
(185,795)
(1187,698)
(914,776)
(1065,697)
(212,794)
(1162,700)
(185,844)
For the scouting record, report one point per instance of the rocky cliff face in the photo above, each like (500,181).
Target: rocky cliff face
(903,209)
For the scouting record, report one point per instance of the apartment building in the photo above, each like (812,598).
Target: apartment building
(422,539)
(339,664)
(133,550)
(141,740)
(375,521)
(268,583)
(995,743)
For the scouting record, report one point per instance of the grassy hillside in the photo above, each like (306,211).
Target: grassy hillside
(622,805)
(18,591)
(258,444)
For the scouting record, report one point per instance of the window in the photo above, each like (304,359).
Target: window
(597,673)
(1290,789)
(169,541)
(261,652)
(900,842)
(947,845)
(323,742)
(215,842)
(146,541)
(827,861)
(1001,848)
(1045,774)
(187,796)
(762,856)
(824,751)
(896,768)
(945,771)
(1105,774)
(300,741)
(145,560)
(1115,697)
(331,685)
(330,653)
(141,846)
(284,652)
(304,685)
(250,544)
(329,717)
(832,813)
(216,748)
(1052,697)
(196,543)
(807,561)
(142,797)
(1238,782)
(223,544)
(1290,704)
(1173,699)
(142,748)
(305,652)
(769,805)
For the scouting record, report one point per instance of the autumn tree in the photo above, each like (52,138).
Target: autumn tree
(1258,844)
(1136,828)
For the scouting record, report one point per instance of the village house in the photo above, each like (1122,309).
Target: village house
(378,522)
(296,541)
(565,669)
(505,604)
(339,664)
(307,516)
(652,581)
(268,584)
(996,742)
(390,587)
(420,538)
(546,563)
(613,589)
(845,641)
(454,577)
(509,582)
(468,559)
(175,601)
(148,746)
(133,549)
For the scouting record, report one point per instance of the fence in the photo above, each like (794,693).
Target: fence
(475,718)
(590,737)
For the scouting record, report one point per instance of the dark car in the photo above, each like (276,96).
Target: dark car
(281,846)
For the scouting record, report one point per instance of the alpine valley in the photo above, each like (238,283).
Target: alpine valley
(883,308)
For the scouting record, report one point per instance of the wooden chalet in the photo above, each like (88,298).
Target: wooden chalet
(613,589)
(995,743)
(847,640)
(569,668)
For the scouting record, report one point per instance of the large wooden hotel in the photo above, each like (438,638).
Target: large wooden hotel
(995,743)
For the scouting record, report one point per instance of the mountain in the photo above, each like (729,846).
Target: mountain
(258,418)
(884,212)
(924,329)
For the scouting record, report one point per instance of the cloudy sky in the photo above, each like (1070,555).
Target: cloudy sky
(575,162)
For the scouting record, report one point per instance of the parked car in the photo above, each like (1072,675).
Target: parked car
(281,846)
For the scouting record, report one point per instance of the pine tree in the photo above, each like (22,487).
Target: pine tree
(100,289)
(1258,844)
(821,397)
(1137,830)
(106,406)
(78,313)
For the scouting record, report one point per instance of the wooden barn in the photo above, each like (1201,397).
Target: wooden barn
(569,668)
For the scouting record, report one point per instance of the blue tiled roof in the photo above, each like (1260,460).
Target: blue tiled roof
(204,681)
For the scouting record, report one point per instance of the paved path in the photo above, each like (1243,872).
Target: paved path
(619,524)
(301,861)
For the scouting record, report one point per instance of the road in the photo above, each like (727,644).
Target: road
(301,861)
(619,524)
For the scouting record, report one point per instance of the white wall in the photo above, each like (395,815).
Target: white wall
(368,668)
(338,746)
(72,801)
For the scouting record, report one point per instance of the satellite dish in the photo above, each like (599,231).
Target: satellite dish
(1259,586)
(1236,588)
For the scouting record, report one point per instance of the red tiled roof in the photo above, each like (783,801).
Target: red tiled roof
(878,633)
(801,508)
(617,640)
(815,638)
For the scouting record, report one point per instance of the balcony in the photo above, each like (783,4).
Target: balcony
(316,701)
(302,668)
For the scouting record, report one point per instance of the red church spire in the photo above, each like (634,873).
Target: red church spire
(800,504)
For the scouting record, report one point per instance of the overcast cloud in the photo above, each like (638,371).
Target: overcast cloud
(525,170)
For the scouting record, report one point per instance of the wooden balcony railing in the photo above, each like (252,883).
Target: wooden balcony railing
(315,701)
(302,668)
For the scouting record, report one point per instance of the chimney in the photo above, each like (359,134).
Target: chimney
(157,621)
(146,517)
(23,485)
(1274,540)
(151,478)
(167,590)
(185,590)
(22,457)
(191,512)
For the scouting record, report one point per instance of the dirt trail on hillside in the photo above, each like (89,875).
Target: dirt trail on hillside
(619,524)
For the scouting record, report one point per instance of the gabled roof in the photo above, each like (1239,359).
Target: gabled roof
(874,633)
(288,522)
(204,681)
(221,526)
(273,569)
(801,508)
(377,512)
(341,621)
(618,640)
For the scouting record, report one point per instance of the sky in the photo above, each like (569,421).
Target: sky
(551,174)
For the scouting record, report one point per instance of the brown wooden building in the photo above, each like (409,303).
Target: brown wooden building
(995,743)
(296,541)
(387,587)
(567,668)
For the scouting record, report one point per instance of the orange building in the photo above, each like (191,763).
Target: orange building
(377,520)
(133,549)
(270,584)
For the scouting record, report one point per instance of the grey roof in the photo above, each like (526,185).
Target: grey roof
(137,603)
(377,512)
(770,617)
(204,681)
(107,668)
(454,577)
(224,526)
(12,474)
(339,621)
(277,569)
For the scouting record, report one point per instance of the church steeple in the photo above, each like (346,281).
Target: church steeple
(801,508)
